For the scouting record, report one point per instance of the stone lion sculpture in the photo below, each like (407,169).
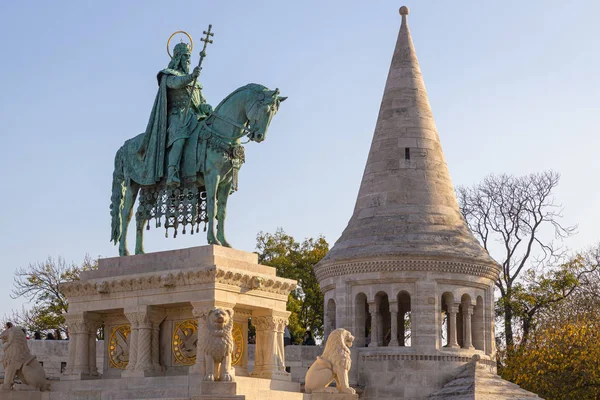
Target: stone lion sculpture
(216,345)
(17,360)
(333,364)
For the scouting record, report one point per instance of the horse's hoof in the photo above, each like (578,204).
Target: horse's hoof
(214,241)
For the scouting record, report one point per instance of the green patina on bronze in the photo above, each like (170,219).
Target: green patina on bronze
(186,162)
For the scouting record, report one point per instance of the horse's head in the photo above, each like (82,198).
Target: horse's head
(261,111)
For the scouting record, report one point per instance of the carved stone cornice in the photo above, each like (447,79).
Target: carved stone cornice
(331,270)
(243,313)
(238,278)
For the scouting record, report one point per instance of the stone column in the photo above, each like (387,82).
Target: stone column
(71,320)
(452,343)
(132,317)
(93,325)
(374,324)
(82,331)
(76,324)
(468,314)
(394,328)
(82,346)
(269,360)
(144,341)
(156,318)
(425,322)
(281,324)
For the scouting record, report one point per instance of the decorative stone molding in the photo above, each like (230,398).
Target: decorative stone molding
(325,271)
(387,356)
(188,277)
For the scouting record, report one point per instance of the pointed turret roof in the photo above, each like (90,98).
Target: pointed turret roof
(406,206)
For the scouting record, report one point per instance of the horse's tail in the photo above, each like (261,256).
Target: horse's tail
(117,196)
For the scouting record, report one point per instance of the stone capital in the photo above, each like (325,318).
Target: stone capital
(393,306)
(373,308)
(137,315)
(94,322)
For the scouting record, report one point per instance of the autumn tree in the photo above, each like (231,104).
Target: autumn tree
(517,220)
(39,283)
(559,361)
(294,260)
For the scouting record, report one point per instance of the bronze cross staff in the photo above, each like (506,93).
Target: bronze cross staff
(206,41)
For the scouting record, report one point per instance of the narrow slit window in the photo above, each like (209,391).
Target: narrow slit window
(407,153)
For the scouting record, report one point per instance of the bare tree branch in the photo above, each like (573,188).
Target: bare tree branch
(512,217)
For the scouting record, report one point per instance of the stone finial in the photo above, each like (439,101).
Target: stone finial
(404,10)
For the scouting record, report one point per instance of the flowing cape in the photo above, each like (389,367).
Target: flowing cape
(149,165)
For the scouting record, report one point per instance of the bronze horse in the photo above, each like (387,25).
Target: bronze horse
(217,153)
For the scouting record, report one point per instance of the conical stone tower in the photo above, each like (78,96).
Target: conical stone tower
(407,277)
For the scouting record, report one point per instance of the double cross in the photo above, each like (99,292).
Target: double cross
(206,41)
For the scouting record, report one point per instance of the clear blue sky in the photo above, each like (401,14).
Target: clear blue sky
(514,87)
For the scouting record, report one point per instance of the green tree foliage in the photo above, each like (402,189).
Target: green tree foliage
(295,260)
(559,361)
(39,283)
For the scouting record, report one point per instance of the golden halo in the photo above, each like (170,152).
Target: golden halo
(171,37)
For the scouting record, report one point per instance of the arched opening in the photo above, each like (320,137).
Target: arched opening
(330,323)
(362,320)
(464,325)
(404,319)
(449,321)
(478,325)
(383,320)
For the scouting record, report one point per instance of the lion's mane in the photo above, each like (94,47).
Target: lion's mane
(217,342)
(16,351)
(336,351)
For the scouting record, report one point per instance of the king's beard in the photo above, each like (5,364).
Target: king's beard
(185,67)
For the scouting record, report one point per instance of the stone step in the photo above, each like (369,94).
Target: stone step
(267,389)
(173,388)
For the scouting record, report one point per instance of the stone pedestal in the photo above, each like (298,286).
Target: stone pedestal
(269,361)
(154,309)
(218,391)
(333,396)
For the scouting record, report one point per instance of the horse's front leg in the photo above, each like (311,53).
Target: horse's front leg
(140,224)
(131,192)
(211,182)
(222,197)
